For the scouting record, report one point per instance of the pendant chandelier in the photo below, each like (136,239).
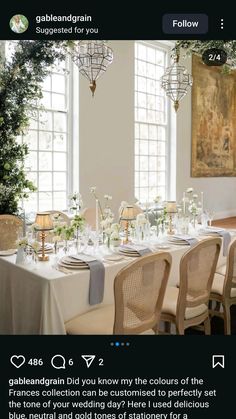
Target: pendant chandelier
(92,58)
(176,81)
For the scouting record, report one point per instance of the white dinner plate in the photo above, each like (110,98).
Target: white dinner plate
(7,252)
(132,255)
(76,268)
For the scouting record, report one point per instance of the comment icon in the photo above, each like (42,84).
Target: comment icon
(58,362)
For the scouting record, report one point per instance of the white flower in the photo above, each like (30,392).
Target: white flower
(108,197)
(22,242)
(108,213)
(108,231)
(189,190)
(195,196)
(92,189)
(115,235)
(193,209)
(158,199)
(133,224)
(107,222)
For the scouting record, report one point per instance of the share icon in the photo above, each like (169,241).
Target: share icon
(88,359)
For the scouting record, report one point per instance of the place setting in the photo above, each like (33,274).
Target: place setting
(182,240)
(134,250)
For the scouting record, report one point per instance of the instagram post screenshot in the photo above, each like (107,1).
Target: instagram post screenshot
(117,211)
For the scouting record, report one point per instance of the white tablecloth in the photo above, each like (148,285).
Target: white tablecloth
(39,300)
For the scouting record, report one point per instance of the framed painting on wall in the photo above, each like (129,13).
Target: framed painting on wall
(213,121)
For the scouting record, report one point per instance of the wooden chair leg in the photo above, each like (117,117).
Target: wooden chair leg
(207,326)
(180,329)
(227,319)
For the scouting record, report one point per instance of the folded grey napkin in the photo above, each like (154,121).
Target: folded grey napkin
(226,240)
(190,240)
(97,275)
(140,249)
(222,233)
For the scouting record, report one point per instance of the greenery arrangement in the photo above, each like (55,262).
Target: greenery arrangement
(199,47)
(20,89)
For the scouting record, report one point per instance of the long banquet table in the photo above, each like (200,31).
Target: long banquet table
(38,300)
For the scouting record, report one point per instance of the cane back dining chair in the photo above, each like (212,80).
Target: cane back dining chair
(187,305)
(223,290)
(10,227)
(139,291)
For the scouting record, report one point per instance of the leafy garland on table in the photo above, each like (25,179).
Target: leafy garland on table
(199,47)
(20,89)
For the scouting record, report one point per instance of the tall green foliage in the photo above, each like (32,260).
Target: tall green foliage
(20,88)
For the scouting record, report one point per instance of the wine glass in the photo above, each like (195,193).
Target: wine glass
(210,215)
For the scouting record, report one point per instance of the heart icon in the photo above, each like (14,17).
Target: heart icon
(17,360)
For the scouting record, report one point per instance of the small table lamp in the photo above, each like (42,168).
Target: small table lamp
(171,208)
(127,215)
(45,223)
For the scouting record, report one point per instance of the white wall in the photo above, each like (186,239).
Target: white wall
(219,192)
(107,130)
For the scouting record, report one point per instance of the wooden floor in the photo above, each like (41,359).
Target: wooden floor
(225,223)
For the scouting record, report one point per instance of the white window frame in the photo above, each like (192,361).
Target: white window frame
(72,112)
(170,154)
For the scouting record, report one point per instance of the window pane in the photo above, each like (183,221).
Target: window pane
(45,201)
(46,100)
(60,200)
(58,83)
(143,163)
(31,140)
(144,147)
(45,141)
(59,181)
(45,181)
(161,163)
(143,132)
(59,122)
(31,161)
(31,204)
(60,142)
(45,121)
(59,161)
(47,83)
(152,163)
(45,161)
(58,101)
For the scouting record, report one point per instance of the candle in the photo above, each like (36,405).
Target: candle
(147,210)
(24,224)
(202,200)
(184,204)
(97,217)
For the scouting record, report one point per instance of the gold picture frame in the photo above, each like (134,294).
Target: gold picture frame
(213,121)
